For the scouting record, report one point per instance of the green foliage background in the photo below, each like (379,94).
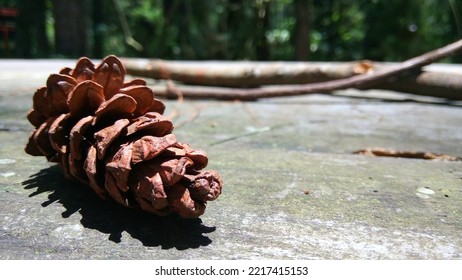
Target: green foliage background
(389,30)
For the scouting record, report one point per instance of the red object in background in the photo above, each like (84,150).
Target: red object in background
(7,24)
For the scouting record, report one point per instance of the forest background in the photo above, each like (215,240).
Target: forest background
(292,30)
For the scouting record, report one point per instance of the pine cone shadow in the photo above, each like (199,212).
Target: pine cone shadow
(108,217)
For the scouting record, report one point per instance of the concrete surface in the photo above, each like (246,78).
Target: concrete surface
(293,189)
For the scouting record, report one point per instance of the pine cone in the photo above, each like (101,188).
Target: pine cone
(111,135)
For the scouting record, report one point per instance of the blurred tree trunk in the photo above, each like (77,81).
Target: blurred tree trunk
(181,20)
(71,18)
(98,27)
(302,28)
(31,38)
(233,20)
(263,25)
(170,10)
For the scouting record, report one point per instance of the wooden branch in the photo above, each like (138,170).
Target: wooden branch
(434,84)
(245,73)
(362,81)
(251,74)
(427,83)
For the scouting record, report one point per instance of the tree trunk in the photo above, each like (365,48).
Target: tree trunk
(261,44)
(98,22)
(31,40)
(234,17)
(302,29)
(71,27)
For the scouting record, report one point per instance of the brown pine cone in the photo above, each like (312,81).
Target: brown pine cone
(111,135)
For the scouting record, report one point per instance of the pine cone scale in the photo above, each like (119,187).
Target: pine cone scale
(149,147)
(84,70)
(58,89)
(151,123)
(120,166)
(41,105)
(85,98)
(90,167)
(77,136)
(57,134)
(143,96)
(41,139)
(119,106)
(105,136)
(110,74)
(115,192)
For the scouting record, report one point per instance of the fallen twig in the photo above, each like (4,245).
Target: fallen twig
(245,73)
(362,81)
(434,84)
(382,152)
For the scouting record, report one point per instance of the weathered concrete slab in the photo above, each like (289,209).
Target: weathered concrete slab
(293,188)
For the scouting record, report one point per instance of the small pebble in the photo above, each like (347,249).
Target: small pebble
(7,161)
(8,174)
(425,190)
